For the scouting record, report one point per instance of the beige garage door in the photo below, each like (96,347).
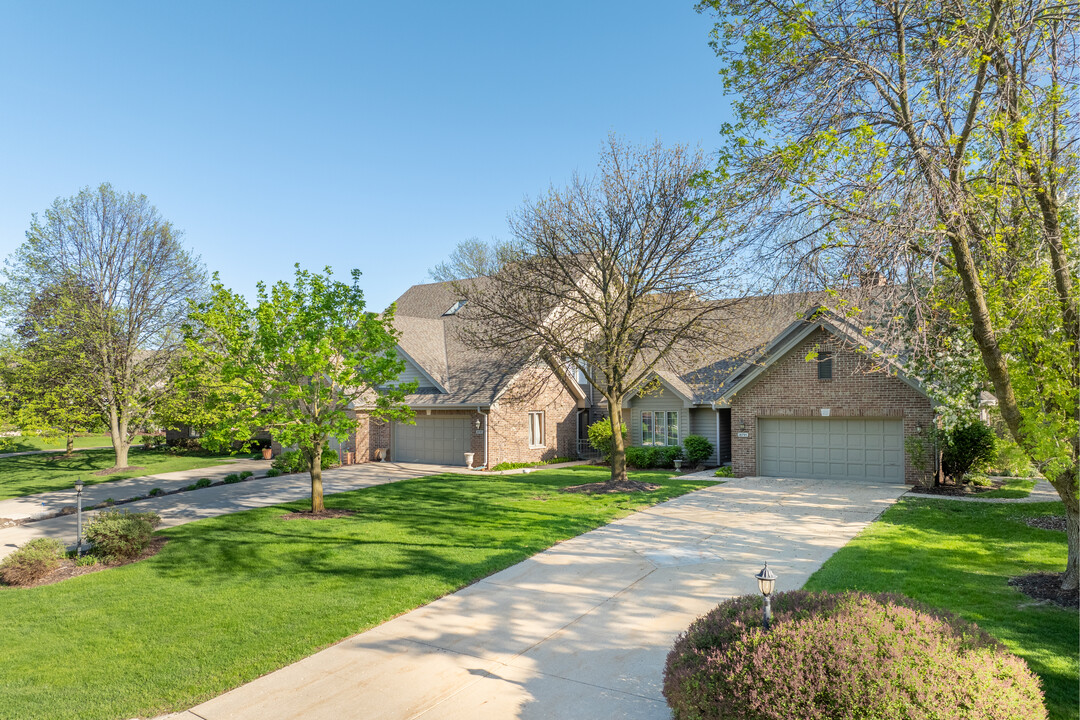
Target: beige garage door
(840,448)
(431,440)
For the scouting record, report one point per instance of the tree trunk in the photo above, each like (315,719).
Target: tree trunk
(70,445)
(1065,489)
(618,444)
(316,480)
(119,438)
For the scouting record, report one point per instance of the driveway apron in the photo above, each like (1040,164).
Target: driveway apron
(581,630)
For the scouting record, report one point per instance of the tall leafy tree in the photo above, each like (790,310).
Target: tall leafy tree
(300,363)
(931,145)
(126,278)
(617,274)
(55,389)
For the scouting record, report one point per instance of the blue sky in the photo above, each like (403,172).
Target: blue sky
(374,136)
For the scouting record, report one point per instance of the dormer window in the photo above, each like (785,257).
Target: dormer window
(454,308)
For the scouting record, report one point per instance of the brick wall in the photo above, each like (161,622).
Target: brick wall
(791,388)
(534,389)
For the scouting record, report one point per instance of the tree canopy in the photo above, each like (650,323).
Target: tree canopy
(300,363)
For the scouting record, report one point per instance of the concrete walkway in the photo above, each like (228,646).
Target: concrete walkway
(58,450)
(581,630)
(223,499)
(50,502)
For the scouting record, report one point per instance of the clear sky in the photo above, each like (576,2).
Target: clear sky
(367,135)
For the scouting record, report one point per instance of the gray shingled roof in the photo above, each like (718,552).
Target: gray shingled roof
(471,377)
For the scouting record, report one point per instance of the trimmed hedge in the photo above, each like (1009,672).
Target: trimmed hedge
(841,657)
(33,561)
(119,535)
(698,449)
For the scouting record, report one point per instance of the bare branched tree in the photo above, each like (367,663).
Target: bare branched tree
(932,145)
(617,274)
(473,258)
(118,251)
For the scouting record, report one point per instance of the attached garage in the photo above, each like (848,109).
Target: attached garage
(831,448)
(432,440)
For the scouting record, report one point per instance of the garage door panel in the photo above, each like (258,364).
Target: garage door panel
(840,448)
(432,440)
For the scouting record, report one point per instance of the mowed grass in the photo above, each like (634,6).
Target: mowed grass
(1013,488)
(960,556)
(231,598)
(24,443)
(30,474)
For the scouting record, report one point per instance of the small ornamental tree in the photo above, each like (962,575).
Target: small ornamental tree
(297,364)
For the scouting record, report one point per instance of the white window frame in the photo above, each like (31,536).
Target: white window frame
(532,436)
(660,418)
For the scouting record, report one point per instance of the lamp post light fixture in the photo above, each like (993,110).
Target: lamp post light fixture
(78,498)
(766,581)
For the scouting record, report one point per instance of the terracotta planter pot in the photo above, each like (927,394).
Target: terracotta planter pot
(267,453)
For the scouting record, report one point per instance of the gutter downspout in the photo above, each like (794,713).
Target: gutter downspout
(717,411)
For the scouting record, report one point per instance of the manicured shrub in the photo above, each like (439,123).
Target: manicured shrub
(33,561)
(153,442)
(273,472)
(155,492)
(698,449)
(231,478)
(600,437)
(202,483)
(293,461)
(966,448)
(725,471)
(86,560)
(246,474)
(640,457)
(844,656)
(119,535)
(666,455)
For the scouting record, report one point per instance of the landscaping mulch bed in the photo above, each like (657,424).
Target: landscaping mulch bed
(604,488)
(68,568)
(1046,587)
(1047,522)
(959,490)
(327,514)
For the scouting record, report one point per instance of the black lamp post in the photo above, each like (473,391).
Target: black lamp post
(766,581)
(78,497)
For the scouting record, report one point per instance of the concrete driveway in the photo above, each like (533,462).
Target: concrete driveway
(223,499)
(579,631)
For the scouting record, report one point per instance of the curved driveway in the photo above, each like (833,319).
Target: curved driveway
(578,631)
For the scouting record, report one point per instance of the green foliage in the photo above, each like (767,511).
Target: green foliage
(155,492)
(725,471)
(153,442)
(519,465)
(201,483)
(33,561)
(698,449)
(642,457)
(292,364)
(86,560)
(120,535)
(967,447)
(600,437)
(273,472)
(231,478)
(667,455)
(844,655)
(246,474)
(1011,460)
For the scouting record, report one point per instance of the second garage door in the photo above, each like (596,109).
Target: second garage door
(431,440)
(840,448)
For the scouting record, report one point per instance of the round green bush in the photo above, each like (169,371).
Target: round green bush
(967,448)
(698,449)
(119,535)
(841,657)
(600,437)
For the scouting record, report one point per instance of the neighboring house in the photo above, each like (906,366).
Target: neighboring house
(755,396)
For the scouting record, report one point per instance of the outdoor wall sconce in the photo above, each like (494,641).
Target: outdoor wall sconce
(477,424)
(766,581)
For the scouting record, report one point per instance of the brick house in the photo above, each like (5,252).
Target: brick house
(783,392)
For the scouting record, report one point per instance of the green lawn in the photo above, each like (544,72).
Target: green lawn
(231,598)
(30,474)
(960,556)
(1013,488)
(28,442)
